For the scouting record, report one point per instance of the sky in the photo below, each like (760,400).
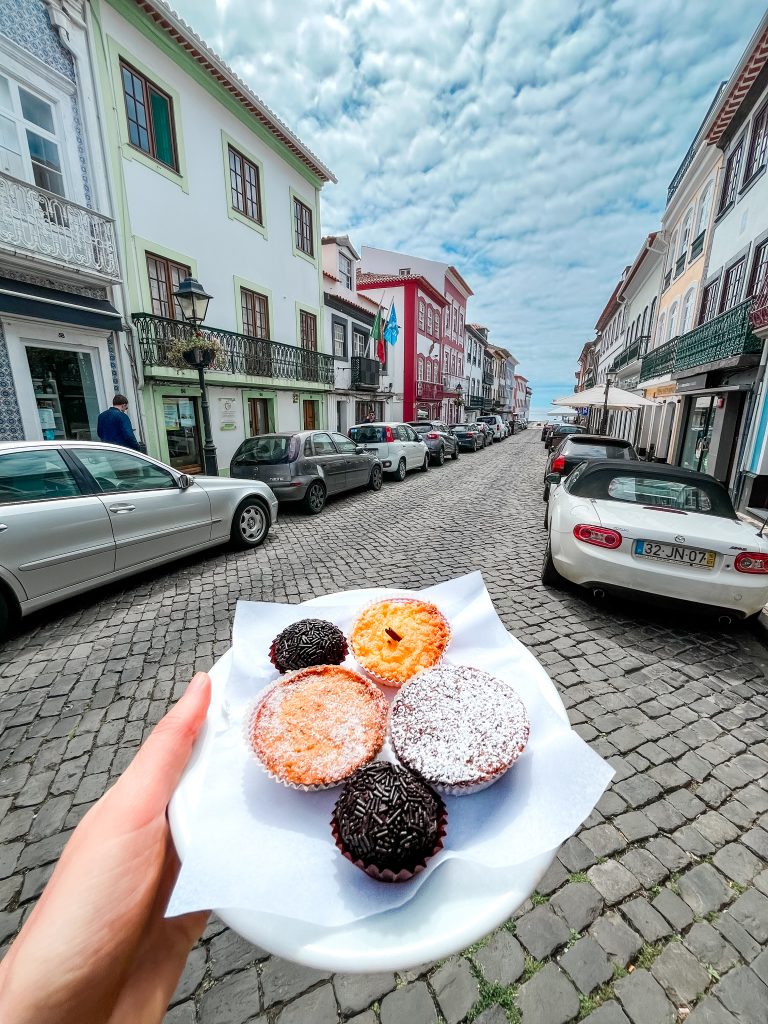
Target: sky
(528,142)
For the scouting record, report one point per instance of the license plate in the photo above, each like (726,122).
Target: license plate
(697,558)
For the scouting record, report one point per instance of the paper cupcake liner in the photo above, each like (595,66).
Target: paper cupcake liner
(396,684)
(247,731)
(386,874)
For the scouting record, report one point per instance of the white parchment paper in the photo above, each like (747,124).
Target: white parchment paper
(257,845)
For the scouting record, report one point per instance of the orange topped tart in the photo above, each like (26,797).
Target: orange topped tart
(395,638)
(315,727)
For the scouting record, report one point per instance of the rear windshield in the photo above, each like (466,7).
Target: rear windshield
(676,493)
(422,428)
(590,450)
(461,426)
(269,451)
(367,434)
(567,428)
(487,419)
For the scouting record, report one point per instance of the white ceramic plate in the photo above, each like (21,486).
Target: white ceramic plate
(453,909)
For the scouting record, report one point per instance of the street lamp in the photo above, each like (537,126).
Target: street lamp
(609,379)
(194,300)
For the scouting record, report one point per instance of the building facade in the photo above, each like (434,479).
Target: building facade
(477,399)
(63,353)
(210,184)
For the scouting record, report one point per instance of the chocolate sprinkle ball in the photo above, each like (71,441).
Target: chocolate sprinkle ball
(388,822)
(308,642)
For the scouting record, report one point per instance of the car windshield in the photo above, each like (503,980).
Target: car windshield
(592,450)
(270,451)
(368,434)
(679,494)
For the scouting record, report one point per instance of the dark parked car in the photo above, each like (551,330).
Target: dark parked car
(578,448)
(560,432)
(307,466)
(437,436)
(468,436)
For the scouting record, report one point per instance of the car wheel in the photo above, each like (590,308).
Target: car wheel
(425,464)
(455,453)
(6,616)
(550,577)
(441,457)
(250,524)
(400,471)
(314,499)
(374,483)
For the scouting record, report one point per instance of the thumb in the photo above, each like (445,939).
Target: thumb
(155,771)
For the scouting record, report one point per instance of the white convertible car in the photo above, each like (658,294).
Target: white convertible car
(655,531)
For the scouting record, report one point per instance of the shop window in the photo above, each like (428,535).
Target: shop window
(182,433)
(65,392)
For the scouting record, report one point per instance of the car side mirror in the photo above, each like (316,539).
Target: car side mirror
(359,450)
(553,478)
(185,482)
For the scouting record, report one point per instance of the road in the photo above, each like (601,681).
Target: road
(661,900)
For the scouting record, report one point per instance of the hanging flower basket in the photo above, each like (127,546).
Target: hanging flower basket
(178,352)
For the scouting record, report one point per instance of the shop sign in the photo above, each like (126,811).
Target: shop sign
(696,383)
(227,414)
(186,412)
(171,411)
(664,391)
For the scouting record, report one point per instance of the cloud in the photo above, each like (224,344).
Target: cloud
(530,143)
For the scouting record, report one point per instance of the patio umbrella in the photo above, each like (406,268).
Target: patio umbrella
(617,398)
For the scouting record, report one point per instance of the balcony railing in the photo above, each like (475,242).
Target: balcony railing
(723,337)
(452,382)
(365,372)
(634,351)
(473,402)
(487,376)
(40,223)
(660,361)
(428,390)
(241,354)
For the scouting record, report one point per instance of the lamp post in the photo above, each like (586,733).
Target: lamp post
(609,379)
(194,300)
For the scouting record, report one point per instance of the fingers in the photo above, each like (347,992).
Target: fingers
(154,773)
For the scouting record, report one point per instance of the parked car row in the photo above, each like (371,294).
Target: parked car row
(553,433)
(655,532)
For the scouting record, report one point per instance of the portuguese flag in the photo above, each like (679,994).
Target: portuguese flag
(377,333)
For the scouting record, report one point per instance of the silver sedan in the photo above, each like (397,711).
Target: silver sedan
(77,514)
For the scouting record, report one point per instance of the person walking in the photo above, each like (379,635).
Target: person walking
(114,425)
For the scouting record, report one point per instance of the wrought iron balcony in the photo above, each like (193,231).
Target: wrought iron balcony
(634,351)
(487,376)
(660,361)
(241,354)
(41,224)
(473,402)
(365,372)
(724,337)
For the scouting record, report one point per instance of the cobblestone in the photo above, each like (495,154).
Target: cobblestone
(678,708)
(548,998)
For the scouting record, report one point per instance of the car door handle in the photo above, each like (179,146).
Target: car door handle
(118,509)
(3,527)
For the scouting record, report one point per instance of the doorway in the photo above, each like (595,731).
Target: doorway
(309,409)
(698,433)
(182,433)
(258,416)
(65,393)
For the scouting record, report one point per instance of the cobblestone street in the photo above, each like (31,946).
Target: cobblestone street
(656,911)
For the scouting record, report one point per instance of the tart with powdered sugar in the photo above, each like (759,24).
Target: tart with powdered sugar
(397,637)
(315,727)
(458,728)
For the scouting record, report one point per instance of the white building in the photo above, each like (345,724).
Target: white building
(477,398)
(62,353)
(209,183)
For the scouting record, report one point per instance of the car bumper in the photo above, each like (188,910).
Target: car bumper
(591,567)
(468,444)
(295,490)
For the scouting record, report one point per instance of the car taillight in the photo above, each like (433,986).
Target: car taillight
(470,433)
(432,435)
(388,435)
(597,535)
(751,561)
(558,465)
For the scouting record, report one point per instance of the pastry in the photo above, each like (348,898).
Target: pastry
(395,638)
(308,642)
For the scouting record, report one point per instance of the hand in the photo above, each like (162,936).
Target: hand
(96,948)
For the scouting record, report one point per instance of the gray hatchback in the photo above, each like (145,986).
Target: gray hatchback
(307,466)
(437,436)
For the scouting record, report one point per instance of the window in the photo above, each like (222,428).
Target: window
(323,444)
(122,471)
(672,250)
(345,269)
(339,331)
(308,330)
(343,444)
(732,285)
(429,370)
(709,302)
(420,367)
(164,277)
(757,146)
(660,339)
(302,220)
(705,205)
(150,117)
(685,237)
(446,357)
(455,318)
(731,177)
(359,343)
(759,269)
(28,146)
(686,317)
(404,271)
(35,476)
(255,309)
(245,184)
(672,322)
(429,319)
(421,314)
